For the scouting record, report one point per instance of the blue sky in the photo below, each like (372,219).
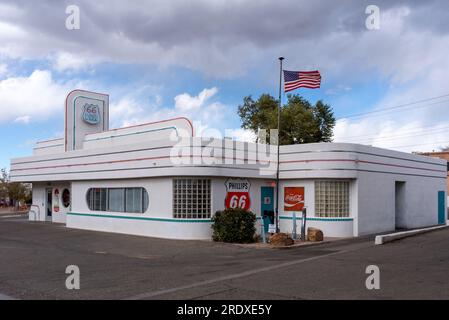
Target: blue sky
(159,60)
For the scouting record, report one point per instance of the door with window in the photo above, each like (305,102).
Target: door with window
(441,207)
(267,206)
(49,203)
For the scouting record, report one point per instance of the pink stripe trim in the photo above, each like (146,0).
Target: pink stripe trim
(362,161)
(128,160)
(260,161)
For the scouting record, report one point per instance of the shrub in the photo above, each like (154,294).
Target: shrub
(234,225)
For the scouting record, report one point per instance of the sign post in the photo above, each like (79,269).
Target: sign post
(262,224)
(294,226)
(303,224)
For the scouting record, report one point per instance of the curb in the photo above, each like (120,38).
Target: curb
(267,246)
(385,238)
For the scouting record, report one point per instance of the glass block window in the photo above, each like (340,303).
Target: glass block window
(332,198)
(191,198)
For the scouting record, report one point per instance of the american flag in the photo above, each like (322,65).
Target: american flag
(301,79)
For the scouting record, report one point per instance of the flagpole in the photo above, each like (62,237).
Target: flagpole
(279,141)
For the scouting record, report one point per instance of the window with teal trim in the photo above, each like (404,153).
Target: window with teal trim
(128,200)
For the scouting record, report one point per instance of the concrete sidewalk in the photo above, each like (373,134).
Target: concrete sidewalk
(12,213)
(385,238)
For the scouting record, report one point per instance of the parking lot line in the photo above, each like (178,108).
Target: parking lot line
(231,277)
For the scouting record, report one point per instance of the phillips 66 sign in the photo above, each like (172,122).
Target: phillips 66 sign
(237,194)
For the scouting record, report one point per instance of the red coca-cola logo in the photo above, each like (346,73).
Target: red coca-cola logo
(293,198)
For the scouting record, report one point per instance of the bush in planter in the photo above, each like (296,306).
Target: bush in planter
(234,225)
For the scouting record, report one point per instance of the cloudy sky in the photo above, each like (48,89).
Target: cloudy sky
(158,59)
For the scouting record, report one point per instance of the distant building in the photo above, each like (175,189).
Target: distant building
(440,154)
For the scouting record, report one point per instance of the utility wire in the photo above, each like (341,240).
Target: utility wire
(445,142)
(398,137)
(395,108)
(411,130)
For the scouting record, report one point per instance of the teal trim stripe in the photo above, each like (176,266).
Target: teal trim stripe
(132,133)
(192,220)
(139,218)
(317,219)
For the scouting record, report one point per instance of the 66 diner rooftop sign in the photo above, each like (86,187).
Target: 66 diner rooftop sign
(237,194)
(91,113)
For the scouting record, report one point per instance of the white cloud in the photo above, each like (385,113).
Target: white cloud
(65,61)
(241,135)
(22,119)
(10,31)
(209,118)
(35,97)
(419,127)
(123,111)
(10,11)
(408,53)
(416,70)
(179,33)
(185,102)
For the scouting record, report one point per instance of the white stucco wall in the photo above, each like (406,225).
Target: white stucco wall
(331,227)
(38,209)
(376,203)
(48,147)
(158,220)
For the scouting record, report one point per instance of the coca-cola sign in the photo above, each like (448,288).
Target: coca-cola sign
(293,198)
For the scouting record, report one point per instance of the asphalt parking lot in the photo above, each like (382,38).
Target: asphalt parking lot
(34,257)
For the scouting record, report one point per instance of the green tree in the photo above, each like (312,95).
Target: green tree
(13,190)
(301,122)
(18,191)
(3,184)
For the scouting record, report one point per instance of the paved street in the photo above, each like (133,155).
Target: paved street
(34,256)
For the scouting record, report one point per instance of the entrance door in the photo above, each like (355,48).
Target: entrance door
(441,207)
(267,205)
(49,203)
(400,213)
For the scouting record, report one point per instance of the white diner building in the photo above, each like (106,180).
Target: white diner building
(157,179)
